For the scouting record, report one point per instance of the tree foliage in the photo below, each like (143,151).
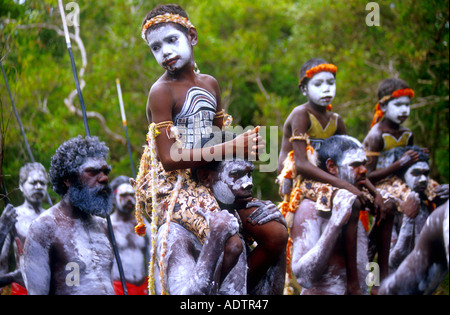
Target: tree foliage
(254,49)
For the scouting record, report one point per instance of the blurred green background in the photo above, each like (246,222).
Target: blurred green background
(254,49)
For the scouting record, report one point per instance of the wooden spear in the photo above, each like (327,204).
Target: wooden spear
(124,122)
(86,127)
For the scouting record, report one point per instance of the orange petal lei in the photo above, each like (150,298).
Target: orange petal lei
(324,67)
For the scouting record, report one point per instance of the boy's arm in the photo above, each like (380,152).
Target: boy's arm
(300,124)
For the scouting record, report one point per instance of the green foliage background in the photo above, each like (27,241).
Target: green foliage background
(253,48)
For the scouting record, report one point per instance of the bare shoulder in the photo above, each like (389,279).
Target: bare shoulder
(210,83)
(299,115)
(373,138)
(43,228)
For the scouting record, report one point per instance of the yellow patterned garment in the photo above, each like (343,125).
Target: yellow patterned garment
(317,132)
(322,193)
(394,187)
(390,142)
(386,157)
(191,196)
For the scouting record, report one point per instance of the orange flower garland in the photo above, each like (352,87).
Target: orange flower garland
(403,92)
(324,67)
(166,18)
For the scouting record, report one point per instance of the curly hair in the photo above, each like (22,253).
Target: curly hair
(388,86)
(28,168)
(70,156)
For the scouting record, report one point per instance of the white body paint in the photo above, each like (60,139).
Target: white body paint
(314,245)
(321,88)
(193,268)
(34,190)
(133,249)
(55,241)
(425,267)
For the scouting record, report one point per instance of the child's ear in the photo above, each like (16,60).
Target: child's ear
(193,36)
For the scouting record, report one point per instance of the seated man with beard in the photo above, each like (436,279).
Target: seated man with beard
(67,250)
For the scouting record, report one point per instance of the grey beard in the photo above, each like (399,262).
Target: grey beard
(91,200)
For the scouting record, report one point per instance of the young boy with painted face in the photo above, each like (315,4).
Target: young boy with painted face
(305,129)
(308,125)
(387,131)
(190,101)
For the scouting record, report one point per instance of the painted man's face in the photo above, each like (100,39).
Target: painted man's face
(90,191)
(170,47)
(125,198)
(352,167)
(321,88)
(34,188)
(417,177)
(233,183)
(397,109)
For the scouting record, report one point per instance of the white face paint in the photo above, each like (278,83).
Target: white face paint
(397,109)
(234,181)
(125,197)
(170,47)
(351,161)
(416,177)
(321,88)
(35,187)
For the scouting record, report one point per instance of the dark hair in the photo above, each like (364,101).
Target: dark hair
(70,156)
(311,63)
(164,9)
(388,86)
(212,140)
(399,151)
(116,182)
(334,147)
(29,167)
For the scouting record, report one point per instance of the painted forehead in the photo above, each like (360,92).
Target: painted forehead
(236,165)
(96,163)
(353,156)
(36,175)
(423,166)
(324,75)
(157,34)
(400,100)
(125,188)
